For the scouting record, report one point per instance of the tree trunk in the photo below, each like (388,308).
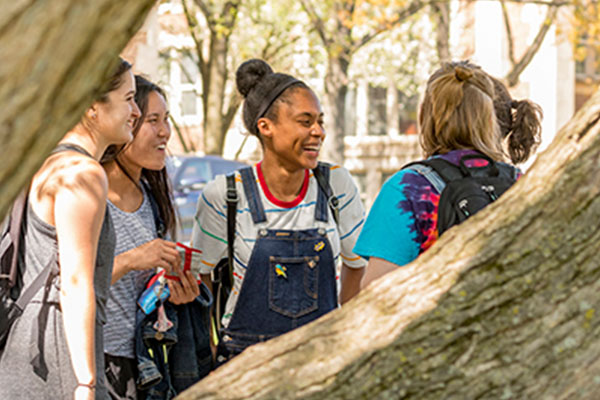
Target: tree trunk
(440,13)
(503,306)
(54,54)
(336,87)
(215,94)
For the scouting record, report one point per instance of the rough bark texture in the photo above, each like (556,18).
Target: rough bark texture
(54,54)
(502,307)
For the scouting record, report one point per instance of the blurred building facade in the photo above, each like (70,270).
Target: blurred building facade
(381,124)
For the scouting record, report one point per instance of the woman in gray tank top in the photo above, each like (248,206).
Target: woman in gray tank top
(138,180)
(54,350)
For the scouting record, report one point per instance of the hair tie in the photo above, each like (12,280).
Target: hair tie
(462,74)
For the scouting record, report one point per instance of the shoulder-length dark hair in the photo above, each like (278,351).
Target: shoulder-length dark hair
(157,182)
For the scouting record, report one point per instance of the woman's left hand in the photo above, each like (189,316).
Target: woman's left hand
(184,291)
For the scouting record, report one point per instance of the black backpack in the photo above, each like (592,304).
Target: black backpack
(222,279)
(464,190)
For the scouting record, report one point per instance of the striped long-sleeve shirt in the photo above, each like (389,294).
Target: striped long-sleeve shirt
(210,228)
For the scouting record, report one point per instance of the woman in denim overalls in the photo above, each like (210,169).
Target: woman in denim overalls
(286,243)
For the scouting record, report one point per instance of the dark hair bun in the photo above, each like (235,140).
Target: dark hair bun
(249,73)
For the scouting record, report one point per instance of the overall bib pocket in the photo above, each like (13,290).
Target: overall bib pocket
(294,285)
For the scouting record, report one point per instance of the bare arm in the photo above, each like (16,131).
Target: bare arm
(351,278)
(79,208)
(376,268)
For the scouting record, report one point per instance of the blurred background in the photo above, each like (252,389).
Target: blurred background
(367,60)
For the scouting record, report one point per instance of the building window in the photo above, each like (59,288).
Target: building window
(189,105)
(377,110)
(587,63)
(408,107)
(189,70)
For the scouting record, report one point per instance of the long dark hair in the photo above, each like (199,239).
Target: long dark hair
(157,182)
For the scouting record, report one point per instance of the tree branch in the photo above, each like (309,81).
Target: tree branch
(206,11)
(412,9)
(316,20)
(234,103)
(192,24)
(509,36)
(512,77)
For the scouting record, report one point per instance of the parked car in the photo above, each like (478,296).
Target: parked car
(189,175)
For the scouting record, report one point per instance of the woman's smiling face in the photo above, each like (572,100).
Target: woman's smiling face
(297,134)
(148,148)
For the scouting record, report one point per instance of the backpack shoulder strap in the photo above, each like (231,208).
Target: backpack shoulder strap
(427,172)
(232,200)
(17,221)
(322,176)
(14,228)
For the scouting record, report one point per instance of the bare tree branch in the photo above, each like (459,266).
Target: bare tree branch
(277,51)
(174,124)
(509,35)
(206,11)
(234,103)
(192,25)
(316,21)
(512,77)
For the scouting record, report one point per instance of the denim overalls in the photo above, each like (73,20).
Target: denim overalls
(290,279)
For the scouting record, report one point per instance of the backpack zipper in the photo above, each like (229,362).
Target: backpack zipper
(462,205)
(491,191)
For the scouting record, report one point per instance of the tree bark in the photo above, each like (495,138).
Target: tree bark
(336,88)
(54,54)
(215,73)
(214,94)
(502,306)
(440,13)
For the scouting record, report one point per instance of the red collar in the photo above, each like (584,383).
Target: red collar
(275,200)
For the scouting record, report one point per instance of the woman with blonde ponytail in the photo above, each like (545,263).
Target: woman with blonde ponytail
(466,117)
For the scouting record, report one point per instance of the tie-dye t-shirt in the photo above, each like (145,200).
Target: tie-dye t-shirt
(402,222)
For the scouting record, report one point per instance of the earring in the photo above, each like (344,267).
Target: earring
(93,115)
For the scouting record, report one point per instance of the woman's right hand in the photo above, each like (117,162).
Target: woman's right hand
(156,253)
(152,254)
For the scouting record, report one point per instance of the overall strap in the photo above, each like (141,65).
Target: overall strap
(253,195)
(232,200)
(70,147)
(325,196)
